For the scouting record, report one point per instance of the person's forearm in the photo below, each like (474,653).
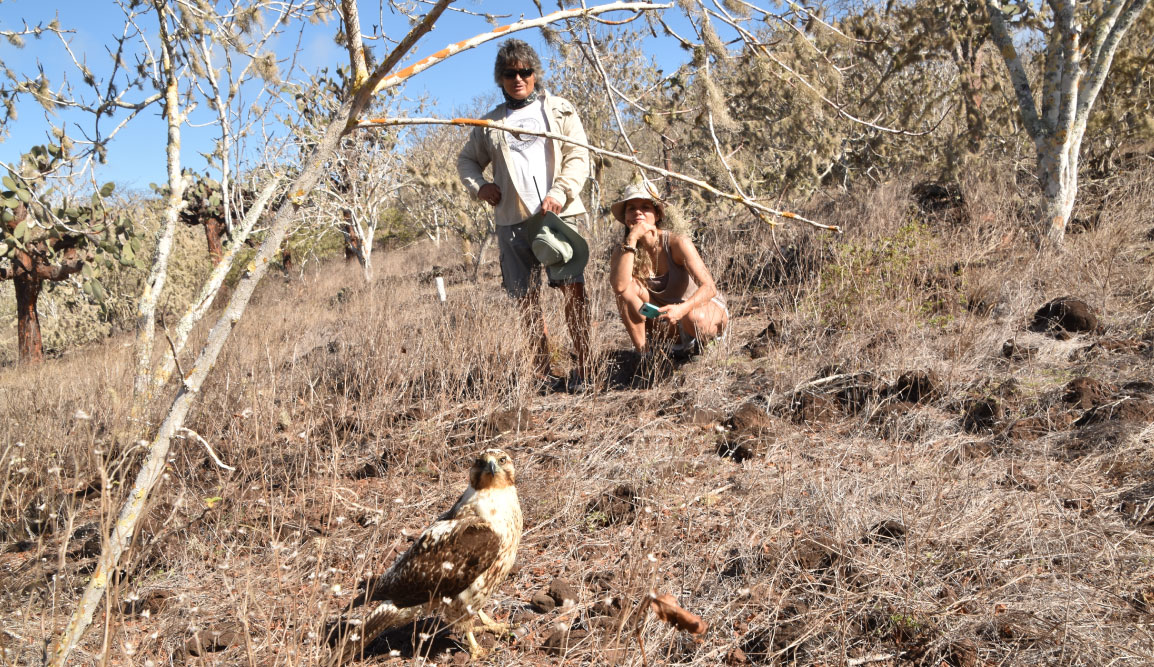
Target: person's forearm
(702,296)
(621,272)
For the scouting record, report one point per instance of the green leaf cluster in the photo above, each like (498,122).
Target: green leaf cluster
(39,221)
(203,197)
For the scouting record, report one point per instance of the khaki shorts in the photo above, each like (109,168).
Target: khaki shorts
(520,270)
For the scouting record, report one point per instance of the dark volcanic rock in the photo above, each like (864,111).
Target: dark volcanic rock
(563,592)
(819,552)
(811,408)
(1124,410)
(562,640)
(759,345)
(739,447)
(1084,393)
(857,391)
(1063,317)
(1138,505)
(212,640)
(542,602)
(1015,351)
(1138,387)
(616,506)
(982,414)
(916,386)
(889,531)
(750,419)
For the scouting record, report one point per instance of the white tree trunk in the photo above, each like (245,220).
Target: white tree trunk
(1058,175)
(1077,61)
(146,309)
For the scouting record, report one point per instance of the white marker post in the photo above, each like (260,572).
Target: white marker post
(441,289)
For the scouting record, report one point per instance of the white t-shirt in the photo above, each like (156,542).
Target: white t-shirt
(530,156)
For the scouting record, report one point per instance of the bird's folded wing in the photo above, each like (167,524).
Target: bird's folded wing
(444,561)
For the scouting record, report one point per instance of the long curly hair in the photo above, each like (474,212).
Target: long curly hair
(642,264)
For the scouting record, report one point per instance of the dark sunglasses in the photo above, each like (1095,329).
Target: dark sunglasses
(512,73)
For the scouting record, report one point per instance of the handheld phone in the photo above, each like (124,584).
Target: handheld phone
(649,310)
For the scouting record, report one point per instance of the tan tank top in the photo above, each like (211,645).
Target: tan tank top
(675,285)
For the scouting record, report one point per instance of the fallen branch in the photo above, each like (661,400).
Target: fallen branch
(211,452)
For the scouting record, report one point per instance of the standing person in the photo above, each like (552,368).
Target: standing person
(655,266)
(533,176)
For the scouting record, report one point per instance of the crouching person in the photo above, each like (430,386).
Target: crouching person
(654,266)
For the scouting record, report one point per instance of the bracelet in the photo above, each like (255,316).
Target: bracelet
(625,247)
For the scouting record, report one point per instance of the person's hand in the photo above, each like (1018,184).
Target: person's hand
(490,194)
(673,312)
(550,205)
(638,230)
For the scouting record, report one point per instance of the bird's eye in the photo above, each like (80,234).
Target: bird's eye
(503,460)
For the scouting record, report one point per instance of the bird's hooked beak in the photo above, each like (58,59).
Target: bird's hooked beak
(491,466)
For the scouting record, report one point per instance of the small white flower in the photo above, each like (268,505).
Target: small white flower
(446,600)
(424,636)
(652,558)
(147,613)
(447,566)
(394,653)
(340,520)
(398,500)
(81,414)
(354,637)
(336,589)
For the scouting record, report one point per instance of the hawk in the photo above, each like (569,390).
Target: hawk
(453,567)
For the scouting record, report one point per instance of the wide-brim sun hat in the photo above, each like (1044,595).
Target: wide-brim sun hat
(558,246)
(644,190)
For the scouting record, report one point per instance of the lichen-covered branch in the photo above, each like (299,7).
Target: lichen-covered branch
(755,206)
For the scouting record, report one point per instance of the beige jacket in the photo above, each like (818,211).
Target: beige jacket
(489,146)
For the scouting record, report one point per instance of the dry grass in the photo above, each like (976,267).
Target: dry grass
(877,532)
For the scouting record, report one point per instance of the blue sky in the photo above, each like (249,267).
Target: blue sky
(136,156)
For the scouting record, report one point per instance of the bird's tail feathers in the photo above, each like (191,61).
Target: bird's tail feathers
(350,636)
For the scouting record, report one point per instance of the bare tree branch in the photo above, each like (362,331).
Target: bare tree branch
(633,160)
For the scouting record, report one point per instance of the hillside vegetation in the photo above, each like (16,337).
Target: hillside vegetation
(889,460)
